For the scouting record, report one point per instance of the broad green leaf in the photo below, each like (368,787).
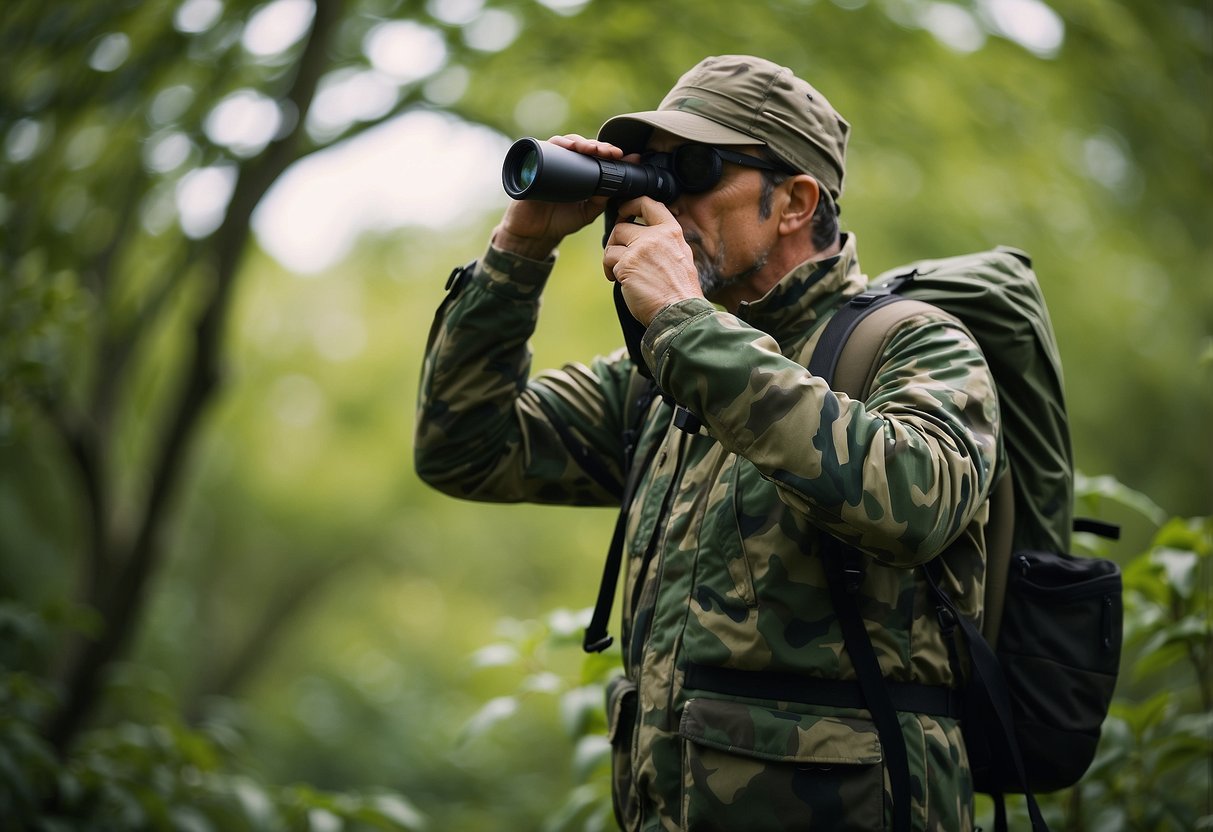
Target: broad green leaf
(496,655)
(1179,567)
(491,713)
(399,811)
(591,754)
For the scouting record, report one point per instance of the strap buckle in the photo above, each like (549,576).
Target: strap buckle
(686,421)
(947,619)
(458,276)
(596,646)
(852,569)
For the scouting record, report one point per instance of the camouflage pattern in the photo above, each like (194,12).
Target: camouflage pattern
(723,543)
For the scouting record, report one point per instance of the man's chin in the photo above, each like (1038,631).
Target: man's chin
(712,286)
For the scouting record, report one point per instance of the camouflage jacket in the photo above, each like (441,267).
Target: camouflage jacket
(727,623)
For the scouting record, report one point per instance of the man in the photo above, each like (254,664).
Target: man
(727,715)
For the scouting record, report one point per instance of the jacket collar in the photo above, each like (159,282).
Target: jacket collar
(795,305)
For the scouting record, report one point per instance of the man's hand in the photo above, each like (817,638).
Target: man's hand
(533,229)
(649,259)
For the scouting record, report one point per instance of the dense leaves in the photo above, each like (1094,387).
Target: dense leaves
(209,526)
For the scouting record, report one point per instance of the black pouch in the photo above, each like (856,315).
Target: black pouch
(1059,645)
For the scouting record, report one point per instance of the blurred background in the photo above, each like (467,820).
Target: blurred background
(226,601)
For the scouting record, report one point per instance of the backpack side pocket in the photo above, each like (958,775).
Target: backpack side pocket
(621,704)
(1060,646)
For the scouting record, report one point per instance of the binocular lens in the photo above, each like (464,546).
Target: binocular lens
(528,168)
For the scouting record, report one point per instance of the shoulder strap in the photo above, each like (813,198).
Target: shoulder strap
(847,355)
(877,697)
(848,352)
(597,637)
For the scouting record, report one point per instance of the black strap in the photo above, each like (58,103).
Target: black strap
(1108,531)
(787,686)
(875,691)
(842,578)
(824,360)
(597,638)
(991,686)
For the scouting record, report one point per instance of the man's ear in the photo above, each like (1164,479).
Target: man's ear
(803,193)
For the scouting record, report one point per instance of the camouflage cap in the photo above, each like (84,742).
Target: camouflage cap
(738,100)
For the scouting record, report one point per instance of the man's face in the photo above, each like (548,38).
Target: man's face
(730,239)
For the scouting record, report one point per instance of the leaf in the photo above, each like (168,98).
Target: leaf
(1179,567)
(1182,753)
(597,668)
(1086,488)
(580,803)
(255,803)
(1194,535)
(591,754)
(323,820)
(1116,744)
(188,819)
(492,712)
(399,811)
(568,624)
(579,707)
(1162,655)
(496,655)
(1144,581)
(1142,716)
(543,682)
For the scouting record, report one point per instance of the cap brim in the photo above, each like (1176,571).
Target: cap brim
(631,131)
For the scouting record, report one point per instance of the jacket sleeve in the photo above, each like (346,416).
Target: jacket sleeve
(899,476)
(484,430)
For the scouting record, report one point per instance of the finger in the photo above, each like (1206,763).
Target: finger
(648,211)
(643,211)
(590,147)
(611,256)
(626,231)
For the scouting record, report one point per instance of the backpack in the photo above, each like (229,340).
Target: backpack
(1044,665)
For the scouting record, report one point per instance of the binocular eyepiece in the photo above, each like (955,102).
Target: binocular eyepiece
(547,172)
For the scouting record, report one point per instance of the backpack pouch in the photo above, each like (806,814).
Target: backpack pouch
(621,722)
(1060,648)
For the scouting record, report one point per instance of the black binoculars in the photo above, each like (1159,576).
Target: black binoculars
(544,171)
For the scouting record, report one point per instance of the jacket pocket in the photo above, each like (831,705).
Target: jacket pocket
(755,768)
(621,722)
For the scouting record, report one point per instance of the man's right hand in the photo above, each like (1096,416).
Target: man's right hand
(533,229)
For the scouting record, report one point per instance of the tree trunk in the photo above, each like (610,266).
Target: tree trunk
(123,567)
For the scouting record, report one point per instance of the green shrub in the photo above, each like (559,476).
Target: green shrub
(158,775)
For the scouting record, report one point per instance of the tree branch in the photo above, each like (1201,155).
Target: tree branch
(126,596)
(287,604)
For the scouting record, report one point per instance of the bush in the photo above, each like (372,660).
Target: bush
(160,775)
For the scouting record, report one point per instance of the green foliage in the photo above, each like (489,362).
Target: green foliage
(535,651)
(162,381)
(155,773)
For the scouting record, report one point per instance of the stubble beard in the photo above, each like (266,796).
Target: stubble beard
(712,279)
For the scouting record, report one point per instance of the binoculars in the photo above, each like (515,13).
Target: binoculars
(544,171)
